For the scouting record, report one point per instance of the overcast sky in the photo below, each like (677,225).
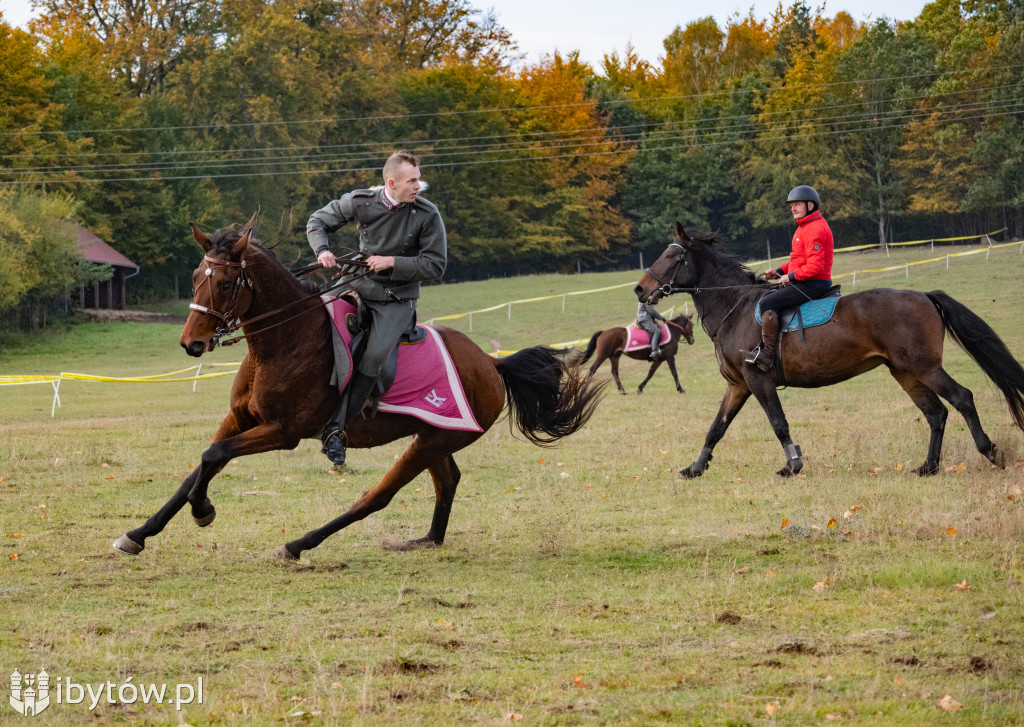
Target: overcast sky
(596,27)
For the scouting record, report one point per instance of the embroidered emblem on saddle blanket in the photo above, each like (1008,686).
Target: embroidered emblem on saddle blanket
(639,338)
(427,386)
(813,312)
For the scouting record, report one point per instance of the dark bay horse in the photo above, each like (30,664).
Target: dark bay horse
(900,329)
(282,393)
(611,344)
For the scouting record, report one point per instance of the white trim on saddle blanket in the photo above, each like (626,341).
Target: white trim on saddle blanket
(639,338)
(426,386)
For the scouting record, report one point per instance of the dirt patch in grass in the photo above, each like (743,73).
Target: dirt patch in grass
(728,617)
(796,647)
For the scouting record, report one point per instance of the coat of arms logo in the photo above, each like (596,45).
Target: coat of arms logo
(30,693)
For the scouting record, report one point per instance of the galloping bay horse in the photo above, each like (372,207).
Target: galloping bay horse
(282,393)
(611,344)
(900,329)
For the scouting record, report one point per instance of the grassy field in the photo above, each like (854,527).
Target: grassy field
(584,584)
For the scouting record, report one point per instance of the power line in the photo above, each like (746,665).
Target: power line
(801,134)
(501,109)
(688,127)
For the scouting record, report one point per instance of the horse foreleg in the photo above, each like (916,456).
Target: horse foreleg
(963,401)
(650,374)
(415,459)
(262,438)
(935,414)
(768,397)
(614,358)
(734,399)
(671,361)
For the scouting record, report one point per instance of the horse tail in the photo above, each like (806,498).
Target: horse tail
(591,347)
(987,349)
(548,397)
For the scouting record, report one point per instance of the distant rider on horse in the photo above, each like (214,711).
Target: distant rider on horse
(649,319)
(405,239)
(807,275)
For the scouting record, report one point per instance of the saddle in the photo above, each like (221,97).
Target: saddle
(806,315)
(358,325)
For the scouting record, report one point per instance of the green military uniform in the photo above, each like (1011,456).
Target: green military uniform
(414,235)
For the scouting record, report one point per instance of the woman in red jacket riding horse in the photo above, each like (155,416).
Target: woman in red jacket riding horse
(806,276)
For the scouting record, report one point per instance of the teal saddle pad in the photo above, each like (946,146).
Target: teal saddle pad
(813,312)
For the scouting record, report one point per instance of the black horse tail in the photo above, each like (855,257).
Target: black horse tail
(591,347)
(987,349)
(548,398)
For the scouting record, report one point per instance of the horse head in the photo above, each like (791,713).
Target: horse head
(672,271)
(221,287)
(685,325)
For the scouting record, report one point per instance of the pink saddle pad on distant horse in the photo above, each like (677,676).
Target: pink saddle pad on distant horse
(427,386)
(639,338)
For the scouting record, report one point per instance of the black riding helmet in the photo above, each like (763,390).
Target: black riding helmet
(803,193)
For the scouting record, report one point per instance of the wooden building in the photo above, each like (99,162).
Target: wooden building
(111,293)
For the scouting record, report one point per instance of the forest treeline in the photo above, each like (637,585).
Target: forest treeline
(136,116)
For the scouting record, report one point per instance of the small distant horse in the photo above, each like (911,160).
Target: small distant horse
(282,392)
(900,329)
(611,344)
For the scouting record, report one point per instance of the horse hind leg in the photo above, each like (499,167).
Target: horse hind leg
(446,475)
(421,454)
(614,359)
(963,401)
(935,414)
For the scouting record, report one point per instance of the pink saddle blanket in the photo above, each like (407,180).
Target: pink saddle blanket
(639,338)
(427,386)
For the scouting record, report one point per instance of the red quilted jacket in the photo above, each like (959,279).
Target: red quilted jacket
(811,258)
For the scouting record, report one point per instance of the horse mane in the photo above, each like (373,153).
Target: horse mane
(224,239)
(724,260)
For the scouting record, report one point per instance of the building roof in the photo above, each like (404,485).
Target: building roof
(95,250)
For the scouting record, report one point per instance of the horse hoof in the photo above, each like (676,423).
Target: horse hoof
(690,473)
(639,391)
(282,553)
(792,467)
(205,519)
(126,545)
(406,545)
(996,457)
(926,470)
(681,390)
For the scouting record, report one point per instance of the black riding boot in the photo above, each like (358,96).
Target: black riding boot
(764,355)
(656,343)
(352,400)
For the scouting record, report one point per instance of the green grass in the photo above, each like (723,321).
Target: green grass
(677,602)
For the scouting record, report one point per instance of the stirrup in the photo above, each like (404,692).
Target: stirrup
(332,452)
(759,358)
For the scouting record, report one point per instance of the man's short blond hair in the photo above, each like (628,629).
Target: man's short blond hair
(395,162)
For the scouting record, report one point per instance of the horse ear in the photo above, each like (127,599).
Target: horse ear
(250,228)
(679,232)
(199,236)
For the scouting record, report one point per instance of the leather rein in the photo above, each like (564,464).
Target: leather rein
(231,323)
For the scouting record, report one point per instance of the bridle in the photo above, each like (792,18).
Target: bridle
(231,321)
(667,288)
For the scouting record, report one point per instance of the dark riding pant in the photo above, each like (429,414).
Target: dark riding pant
(389,321)
(794,294)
